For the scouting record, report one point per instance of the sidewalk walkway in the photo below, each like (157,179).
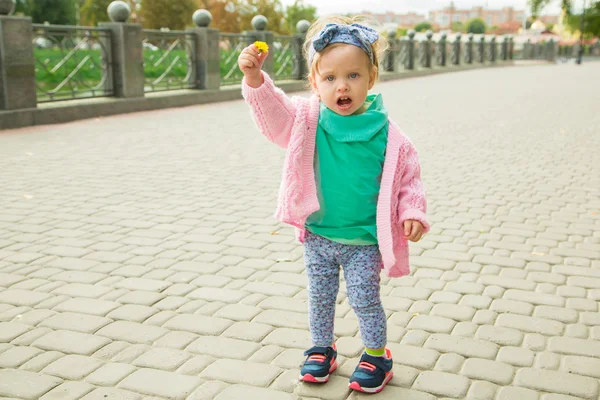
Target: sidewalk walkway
(139,258)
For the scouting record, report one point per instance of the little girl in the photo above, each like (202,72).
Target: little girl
(351,186)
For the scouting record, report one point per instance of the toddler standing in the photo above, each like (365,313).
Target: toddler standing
(351,186)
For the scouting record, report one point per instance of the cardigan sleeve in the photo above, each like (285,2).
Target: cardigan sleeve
(412,202)
(272,110)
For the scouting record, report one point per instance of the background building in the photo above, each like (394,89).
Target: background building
(405,20)
(446,17)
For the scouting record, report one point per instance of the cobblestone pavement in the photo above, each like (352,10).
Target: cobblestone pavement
(139,258)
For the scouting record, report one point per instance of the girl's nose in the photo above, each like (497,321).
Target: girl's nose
(343,87)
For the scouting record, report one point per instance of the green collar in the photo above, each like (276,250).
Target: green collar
(357,127)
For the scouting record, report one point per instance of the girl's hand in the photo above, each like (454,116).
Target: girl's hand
(250,62)
(413,230)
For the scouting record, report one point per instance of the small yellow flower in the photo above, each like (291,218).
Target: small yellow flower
(262,47)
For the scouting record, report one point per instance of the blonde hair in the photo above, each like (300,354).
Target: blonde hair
(379,47)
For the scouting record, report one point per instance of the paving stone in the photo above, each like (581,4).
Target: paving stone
(160,383)
(534,298)
(69,342)
(238,312)
(142,298)
(132,313)
(573,346)
(25,385)
(39,362)
(218,294)
(466,329)
(476,301)
(75,322)
(266,354)
(208,390)
(250,331)
(19,297)
(547,360)
(461,345)
(110,374)
(130,353)
(500,335)
(553,396)
(481,390)
(235,392)
(82,290)
(212,346)
(336,389)
(110,393)
(198,324)
(132,332)
(557,382)
(413,356)
(72,367)
(176,340)
(432,323)
(513,393)
(415,337)
(492,371)
(421,307)
(12,330)
(577,331)
(195,365)
(531,324)
(255,374)
(582,366)
(517,356)
(449,362)
(287,338)
(442,384)
(511,306)
(18,355)
(68,391)
(87,306)
(151,285)
(162,358)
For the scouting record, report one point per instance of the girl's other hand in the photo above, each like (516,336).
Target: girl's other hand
(413,230)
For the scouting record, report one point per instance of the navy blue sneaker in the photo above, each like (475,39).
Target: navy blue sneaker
(372,373)
(320,362)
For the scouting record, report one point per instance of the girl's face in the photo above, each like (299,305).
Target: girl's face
(342,78)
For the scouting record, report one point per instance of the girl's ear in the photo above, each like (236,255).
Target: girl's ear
(372,77)
(313,84)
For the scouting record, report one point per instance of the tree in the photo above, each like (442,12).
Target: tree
(592,21)
(22,7)
(225,13)
(94,11)
(476,25)
(56,12)
(175,15)
(423,26)
(536,6)
(297,12)
(271,9)
(458,26)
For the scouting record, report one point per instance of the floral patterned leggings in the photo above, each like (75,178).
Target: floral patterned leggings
(362,265)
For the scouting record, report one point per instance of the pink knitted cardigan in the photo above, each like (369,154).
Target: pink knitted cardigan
(291,123)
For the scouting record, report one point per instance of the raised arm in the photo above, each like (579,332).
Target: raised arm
(273,111)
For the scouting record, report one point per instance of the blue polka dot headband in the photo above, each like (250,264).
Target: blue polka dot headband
(355,34)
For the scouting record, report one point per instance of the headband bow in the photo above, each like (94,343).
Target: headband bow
(355,34)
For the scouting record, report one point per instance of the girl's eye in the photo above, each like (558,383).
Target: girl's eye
(330,78)
(353,76)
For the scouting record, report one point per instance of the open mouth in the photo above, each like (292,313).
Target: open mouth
(344,103)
